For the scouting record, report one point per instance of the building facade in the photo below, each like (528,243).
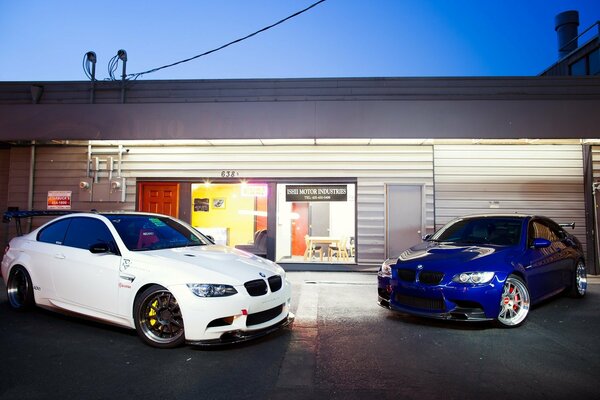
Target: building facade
(333,174)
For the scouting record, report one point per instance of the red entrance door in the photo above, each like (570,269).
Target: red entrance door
(299,228)
(159,197)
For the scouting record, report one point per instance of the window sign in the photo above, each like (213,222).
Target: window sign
(249,190)
(297,193)
(316,223)
(59,200)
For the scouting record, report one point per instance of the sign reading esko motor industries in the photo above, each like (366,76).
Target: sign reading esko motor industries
(59,200)
(316,193)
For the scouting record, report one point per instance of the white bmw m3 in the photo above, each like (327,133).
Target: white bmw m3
(148,272)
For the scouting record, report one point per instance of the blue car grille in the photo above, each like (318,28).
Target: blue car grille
(425,277)
(407,275)
(420,302)
(264,316)
(430,277)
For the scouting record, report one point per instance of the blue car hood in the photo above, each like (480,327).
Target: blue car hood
(456,258)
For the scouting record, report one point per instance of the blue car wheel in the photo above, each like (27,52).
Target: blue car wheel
(514,303)
(579,281)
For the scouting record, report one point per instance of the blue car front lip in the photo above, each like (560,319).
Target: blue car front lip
(448,300)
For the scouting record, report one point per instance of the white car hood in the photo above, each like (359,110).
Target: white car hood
(229,265)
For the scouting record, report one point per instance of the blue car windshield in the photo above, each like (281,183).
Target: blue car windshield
(143,232)
(501,231)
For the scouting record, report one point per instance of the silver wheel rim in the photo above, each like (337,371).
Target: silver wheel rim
(17,289)
(514,303)
(160,318)
(581,278)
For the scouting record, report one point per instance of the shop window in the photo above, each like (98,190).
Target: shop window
(578,68)
(232,213)
(595,62)
(588,65)
(316,223)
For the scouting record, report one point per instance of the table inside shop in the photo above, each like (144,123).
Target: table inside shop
(320,240)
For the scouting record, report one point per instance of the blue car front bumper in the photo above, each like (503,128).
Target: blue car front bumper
(444,301)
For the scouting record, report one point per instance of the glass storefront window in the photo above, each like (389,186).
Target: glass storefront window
(316,223)
(234,214)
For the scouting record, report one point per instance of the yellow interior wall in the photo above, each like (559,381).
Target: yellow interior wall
(241,227)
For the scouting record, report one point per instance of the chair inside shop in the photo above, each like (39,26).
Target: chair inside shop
(312,249)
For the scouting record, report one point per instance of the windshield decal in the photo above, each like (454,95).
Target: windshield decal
(157,222)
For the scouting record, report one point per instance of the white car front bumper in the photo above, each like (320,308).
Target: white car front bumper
(240,317)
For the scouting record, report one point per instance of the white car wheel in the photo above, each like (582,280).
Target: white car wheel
(158,319)
(19,289)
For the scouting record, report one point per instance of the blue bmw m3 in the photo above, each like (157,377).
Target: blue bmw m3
(485,267)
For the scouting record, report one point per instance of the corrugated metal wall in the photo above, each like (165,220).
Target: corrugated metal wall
(538,179)
(541,179)
(373,166)
(596,162)
(4,168)
(60,168)
(4,176)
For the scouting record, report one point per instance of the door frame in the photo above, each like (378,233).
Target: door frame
(423,187)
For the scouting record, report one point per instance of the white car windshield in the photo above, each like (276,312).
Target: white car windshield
(151,232)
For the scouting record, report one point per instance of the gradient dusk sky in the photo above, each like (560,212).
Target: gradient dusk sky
(43,40)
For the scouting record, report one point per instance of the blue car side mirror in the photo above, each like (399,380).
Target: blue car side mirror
(539,243)
(427,237)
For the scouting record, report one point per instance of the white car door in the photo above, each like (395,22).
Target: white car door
(83,278)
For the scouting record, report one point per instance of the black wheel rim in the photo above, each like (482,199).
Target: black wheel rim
(18,288)
(160,318)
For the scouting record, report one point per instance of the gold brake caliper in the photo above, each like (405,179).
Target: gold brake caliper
(152,313)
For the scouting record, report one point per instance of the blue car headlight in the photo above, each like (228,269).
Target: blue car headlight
(473,277)
(211,290)
(386,267)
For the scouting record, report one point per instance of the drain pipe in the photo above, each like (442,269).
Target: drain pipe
(31,179)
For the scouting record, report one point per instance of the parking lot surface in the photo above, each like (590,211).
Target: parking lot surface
(342,346)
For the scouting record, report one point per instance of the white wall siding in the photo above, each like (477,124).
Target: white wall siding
(371,216)
(537,179)
(596,162)
(373,166)
(61,167)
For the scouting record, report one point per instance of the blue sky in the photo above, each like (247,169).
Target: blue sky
(43,40)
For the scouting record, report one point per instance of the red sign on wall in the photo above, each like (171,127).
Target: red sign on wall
(59,200)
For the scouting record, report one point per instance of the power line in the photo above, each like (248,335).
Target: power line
(138,74)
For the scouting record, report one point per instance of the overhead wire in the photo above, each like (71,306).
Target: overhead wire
(112,67)
(138,74)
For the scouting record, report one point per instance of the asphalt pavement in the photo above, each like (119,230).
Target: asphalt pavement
(342,346)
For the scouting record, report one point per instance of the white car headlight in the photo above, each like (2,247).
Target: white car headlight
(211,290)
(473,277)
(386,267)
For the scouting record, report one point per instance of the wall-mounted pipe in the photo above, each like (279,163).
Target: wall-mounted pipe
(123,57)
(91,57)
